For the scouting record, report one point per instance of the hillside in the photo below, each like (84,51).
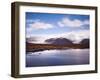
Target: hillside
(63,44)
(59,41)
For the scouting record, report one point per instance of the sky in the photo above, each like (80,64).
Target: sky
(42,26)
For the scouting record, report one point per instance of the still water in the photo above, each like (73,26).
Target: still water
(57,57)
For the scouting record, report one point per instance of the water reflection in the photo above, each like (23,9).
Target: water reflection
(57,57)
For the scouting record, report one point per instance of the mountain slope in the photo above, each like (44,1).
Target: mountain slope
(59,41)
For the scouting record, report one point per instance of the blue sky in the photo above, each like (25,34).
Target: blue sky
(47,24)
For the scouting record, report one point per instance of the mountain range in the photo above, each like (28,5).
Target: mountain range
(63,42)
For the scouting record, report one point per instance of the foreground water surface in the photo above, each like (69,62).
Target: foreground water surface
(57,57)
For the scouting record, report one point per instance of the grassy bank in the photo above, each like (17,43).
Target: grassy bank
(40,47)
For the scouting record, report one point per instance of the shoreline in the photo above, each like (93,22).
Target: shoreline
(41,47)
(37,50)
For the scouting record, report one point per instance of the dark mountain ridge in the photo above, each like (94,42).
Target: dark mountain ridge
(59,41)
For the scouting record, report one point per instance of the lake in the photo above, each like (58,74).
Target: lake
(57,57)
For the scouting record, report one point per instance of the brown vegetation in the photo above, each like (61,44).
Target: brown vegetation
(40,47)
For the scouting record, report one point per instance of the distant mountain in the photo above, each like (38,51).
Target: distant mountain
(59,41)
(85,43)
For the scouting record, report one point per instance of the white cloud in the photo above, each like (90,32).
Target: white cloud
(77,36)
(40,25)
(36,25)
(66,22)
